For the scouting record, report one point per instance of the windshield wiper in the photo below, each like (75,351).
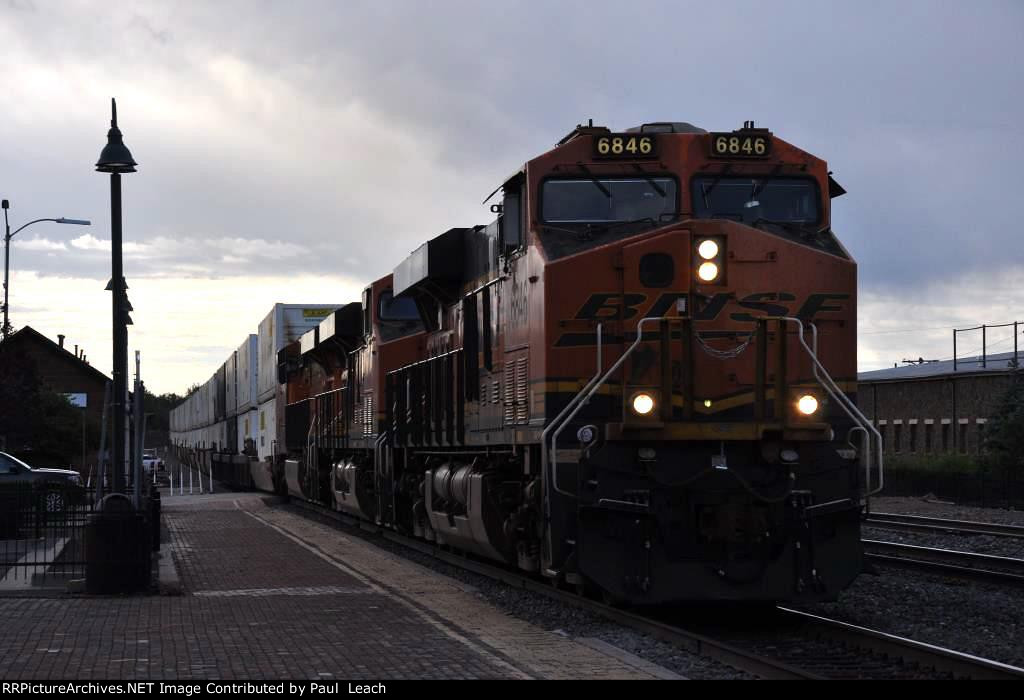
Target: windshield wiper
(650,181)
(714,183)
(612,225)
(597,183)
(764,181)
(573,231)
(806,230)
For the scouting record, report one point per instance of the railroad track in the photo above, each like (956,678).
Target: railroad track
(782,644)
(1004,570)
(920,523)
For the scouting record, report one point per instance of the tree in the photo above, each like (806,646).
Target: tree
(1005,431)
(158,426)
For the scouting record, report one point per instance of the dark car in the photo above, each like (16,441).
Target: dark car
(54,488)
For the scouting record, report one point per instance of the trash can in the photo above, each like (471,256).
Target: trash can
(118,548)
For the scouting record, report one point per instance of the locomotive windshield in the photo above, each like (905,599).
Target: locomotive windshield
(602,200)
(755,199)
(398,317)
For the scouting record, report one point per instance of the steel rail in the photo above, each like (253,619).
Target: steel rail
(1006,570)
(920,523)
(731,655)
(959,664)
(734,655)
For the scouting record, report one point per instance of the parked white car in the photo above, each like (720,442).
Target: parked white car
(151,463)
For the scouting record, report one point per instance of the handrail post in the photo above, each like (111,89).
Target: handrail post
(780,376)
(686,338)
(583,397)
(761,370)
(851,410)
(666,370)
(544,459)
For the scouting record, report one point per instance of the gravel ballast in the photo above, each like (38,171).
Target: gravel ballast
(558,617)
(976,618)
(936,508)
(978,544)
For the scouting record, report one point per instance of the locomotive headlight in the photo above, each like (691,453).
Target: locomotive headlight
(707,271)
(807,404)
(643,403)
(707,249)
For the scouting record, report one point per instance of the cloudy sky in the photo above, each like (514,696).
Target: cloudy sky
(294,151)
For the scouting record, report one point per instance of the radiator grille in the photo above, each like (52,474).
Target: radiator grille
(517,391)
(510,392)
(522,391)
(367,416)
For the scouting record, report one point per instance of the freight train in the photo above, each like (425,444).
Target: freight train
(639,379)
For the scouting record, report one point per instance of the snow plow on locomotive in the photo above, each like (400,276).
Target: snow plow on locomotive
(638,379)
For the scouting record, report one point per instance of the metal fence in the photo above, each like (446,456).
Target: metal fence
(993,490)
(42,535)
(52,534)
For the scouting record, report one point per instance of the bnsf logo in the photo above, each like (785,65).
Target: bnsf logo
(612,306)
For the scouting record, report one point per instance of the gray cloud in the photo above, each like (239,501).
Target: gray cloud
(336,138)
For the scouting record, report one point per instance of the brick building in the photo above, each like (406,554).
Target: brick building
(934,408)
(60,369)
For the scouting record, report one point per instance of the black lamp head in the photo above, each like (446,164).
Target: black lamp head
(115,158)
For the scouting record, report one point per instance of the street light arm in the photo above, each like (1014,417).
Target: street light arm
(62,220)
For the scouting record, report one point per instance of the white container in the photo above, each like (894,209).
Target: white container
(266,425)
(219,436)
(211,400)
(248,428)
(231,386)
(247,362)
(283,325)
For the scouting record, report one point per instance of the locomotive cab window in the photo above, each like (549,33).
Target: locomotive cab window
(608,200)
(398,317)
(367,296)
(511,222)
(753,200)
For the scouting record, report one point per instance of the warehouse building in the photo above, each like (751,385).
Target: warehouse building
(936,407)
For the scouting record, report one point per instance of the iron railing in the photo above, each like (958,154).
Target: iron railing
(42,534)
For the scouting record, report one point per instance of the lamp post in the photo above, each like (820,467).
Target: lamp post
(116,159)
(8,235)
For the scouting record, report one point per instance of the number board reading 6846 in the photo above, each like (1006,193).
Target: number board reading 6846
(625,146)
(741,145)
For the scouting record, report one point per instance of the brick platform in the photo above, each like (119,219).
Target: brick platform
(268,594)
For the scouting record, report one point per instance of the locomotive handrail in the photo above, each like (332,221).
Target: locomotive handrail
(310,452)
(545,462)
(825,380)
(865,424)
(378,472)
(584,396)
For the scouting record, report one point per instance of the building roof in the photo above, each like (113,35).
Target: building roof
(29,334)
(995,363)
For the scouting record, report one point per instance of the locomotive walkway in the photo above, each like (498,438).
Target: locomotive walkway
(267,594)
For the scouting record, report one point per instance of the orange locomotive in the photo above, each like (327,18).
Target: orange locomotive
(638,379)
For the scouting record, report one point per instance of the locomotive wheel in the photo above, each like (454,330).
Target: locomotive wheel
(585,589)
(612,600)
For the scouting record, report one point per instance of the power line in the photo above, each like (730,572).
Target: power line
(910,330)
(977,353)
(932,328)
